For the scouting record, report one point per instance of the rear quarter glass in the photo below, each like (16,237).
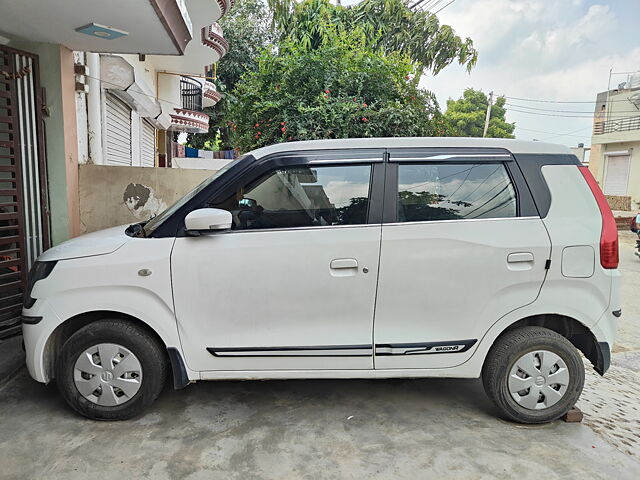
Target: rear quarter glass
(531,165)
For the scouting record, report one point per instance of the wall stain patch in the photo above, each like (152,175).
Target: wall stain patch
(141,201)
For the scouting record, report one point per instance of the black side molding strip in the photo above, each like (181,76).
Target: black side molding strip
(424,348)
(293,351)
(382,349)
(180,378)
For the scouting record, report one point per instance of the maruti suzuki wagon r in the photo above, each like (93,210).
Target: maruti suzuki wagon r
(358,258)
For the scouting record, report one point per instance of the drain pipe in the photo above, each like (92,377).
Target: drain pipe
(94,119)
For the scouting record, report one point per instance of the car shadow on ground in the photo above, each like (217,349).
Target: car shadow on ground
(351,394)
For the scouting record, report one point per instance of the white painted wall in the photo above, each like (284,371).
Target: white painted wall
(169,91)
(200,163)
(81,114)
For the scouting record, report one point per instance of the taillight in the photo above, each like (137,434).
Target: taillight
(609,234)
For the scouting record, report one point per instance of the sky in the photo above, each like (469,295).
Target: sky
(559,50)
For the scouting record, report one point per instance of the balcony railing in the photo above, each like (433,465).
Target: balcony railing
(621,125)
(191,94)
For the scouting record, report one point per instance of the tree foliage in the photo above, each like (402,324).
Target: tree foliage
(311,70)
(247,28)
(389,25)
(343,88)
(465,117)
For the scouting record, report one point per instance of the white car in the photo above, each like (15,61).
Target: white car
(358,258)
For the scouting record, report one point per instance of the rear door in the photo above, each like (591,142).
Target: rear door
(462,245)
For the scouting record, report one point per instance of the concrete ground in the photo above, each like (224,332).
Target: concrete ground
(11,358)
(334,429)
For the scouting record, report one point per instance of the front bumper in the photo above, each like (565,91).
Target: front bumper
(36,334)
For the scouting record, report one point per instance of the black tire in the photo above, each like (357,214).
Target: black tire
(147,349)
(511,347)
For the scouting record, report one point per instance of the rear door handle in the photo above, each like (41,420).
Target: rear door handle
(340,263)
(520,257)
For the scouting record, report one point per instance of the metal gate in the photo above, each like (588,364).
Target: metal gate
(24,229)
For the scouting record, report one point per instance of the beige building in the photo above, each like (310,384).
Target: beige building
(615,144)
(94,83)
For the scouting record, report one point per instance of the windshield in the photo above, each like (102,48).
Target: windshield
(156,221)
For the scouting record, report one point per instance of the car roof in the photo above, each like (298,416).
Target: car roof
(513,146)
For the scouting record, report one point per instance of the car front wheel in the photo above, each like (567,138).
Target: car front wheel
(111,370)
(533,375)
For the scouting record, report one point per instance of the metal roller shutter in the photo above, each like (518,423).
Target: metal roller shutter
(118,131)
(147,144)
(617,176)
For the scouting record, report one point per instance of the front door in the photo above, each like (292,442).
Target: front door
(292,285)
(458,252)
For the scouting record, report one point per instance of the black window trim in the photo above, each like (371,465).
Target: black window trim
(346,157)
(376,179)
(525,207)
(532,194)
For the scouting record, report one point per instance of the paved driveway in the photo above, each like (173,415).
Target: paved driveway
(331,429)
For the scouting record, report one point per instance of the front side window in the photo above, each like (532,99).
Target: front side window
(302,196)
(450,191)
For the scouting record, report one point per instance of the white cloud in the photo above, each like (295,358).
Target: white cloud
(552,43)
(539,49)
(489,22)
(579,81)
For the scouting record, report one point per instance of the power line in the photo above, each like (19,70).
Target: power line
(588,116)
(568,134)
(438,11)
(433,4)
(566,111)
(558,101)
(417,4)
(425,6)
(109,84)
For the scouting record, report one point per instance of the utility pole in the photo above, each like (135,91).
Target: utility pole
(486,119)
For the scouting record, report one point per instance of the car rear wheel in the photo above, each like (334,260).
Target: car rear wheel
(533,375)
(111,370)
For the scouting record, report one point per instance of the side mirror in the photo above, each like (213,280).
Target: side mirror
(207,220)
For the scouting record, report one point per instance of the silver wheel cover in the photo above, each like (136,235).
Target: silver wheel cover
(538,379)
(107,374)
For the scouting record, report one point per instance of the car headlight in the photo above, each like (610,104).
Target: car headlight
(39,271)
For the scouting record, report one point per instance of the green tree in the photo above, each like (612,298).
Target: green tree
(465,117)
(247,28)
(389,25)
(343,88)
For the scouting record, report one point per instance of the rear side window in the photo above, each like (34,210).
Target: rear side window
(449,191)
(302,196)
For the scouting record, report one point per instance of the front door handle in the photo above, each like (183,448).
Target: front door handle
(340,263)
(520,257)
